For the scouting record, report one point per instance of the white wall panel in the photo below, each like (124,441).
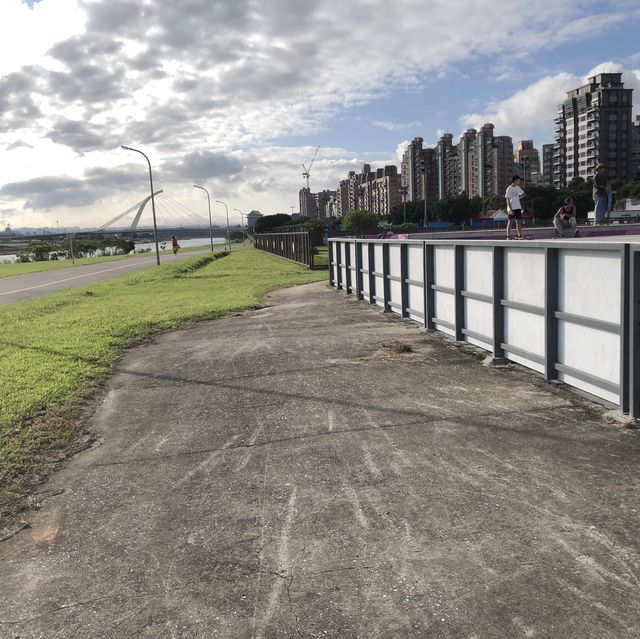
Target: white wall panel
(377,253)
(478,270)
(394,260)
(444,262)
(352,251)
(365,267)
(608,396)
(525,362)
(415,262)
(416,302)
(444,306)
(524,330)
(395,291)
(589,350)
(344,248)
(589,284)
(479,317)
(524,275)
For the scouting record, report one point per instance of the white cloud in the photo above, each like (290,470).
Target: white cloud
(396,126)
(204,84)
(27,34)
(528,113)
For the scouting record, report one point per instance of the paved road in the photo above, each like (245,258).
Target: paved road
(28,285)
(283,474)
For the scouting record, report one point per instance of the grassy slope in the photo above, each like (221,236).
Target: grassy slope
(55,350)
(10,270)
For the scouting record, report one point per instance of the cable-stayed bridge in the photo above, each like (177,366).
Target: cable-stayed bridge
(173,218)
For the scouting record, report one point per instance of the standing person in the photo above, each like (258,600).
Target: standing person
(514,208)
(174,244)
(600,195)
(565,217)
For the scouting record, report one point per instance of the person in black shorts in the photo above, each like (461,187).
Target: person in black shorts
(514,208)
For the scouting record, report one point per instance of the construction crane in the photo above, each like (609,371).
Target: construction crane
(307,171)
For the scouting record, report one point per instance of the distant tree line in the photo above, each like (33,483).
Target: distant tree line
(43,251)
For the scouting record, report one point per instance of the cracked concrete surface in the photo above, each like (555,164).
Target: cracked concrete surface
(280,474)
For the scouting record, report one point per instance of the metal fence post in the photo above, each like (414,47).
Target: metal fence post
(429,281)
(385,277)
(372,278)
(358,247)
(625,341)
(498,309)
(347,263)
(404,284)
(550,308)
(633,320)
(330,260)
(339,264)
(458,288)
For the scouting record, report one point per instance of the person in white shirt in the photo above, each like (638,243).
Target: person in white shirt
(514,208)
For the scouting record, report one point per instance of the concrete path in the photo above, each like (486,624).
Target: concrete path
(21,287)
(282,474)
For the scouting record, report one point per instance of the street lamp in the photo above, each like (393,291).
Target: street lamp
(423,168)
(153,202)
(228,232)
(403,192)
(209,203)
(241,223)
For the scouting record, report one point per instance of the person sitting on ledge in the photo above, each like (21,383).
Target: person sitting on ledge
(565,218)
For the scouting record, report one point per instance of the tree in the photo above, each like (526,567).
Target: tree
(269,222)
(315,225)
(360,222)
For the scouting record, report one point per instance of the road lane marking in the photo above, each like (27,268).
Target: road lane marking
(75,277)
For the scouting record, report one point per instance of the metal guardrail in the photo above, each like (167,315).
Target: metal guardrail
(297,247)
(568,310)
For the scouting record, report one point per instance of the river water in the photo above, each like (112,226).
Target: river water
(144,246)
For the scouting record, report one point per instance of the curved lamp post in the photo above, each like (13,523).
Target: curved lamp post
(153,202)
(209,203)
(241,223)
(228,232)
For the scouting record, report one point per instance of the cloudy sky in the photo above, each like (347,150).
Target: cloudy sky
(236,94)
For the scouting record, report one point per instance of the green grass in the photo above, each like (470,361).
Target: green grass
(57,349)
(15,268)
(321,258)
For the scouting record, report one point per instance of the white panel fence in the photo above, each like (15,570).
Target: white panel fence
(568,310)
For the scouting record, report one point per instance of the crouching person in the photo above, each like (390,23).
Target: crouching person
(565,219)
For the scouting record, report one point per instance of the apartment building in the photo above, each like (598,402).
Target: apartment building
(527,162)
(594,125)
(380,192)
(416,162)
(547,164)
(635,148)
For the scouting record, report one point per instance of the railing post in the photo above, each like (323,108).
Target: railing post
(339,264)
(347,263)
(330,259)
(404,274)
(385,277)
(358,270)
(458,288)
(634,335)
(429,281)
(550,308)
(625,348)
(372,278)
(498,309)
